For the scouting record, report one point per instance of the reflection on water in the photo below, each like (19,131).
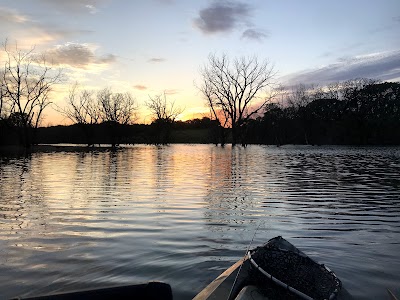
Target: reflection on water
(183,213)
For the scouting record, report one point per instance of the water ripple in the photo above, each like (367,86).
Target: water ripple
(184,213)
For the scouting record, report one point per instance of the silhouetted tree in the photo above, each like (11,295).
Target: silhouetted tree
(82,109)
(358,111)
(27,81)
(3,97)
(164,114)
(353,117)
(81,106)
(273,123)
(324,115)
(116,109)
(236,90)
(299,98)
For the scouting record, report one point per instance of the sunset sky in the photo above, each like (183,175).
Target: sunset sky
(147,47)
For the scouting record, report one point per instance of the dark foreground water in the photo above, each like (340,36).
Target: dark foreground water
(182,214)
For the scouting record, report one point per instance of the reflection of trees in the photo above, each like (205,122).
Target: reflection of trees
(161,162)
(166,178)
(23,213)
(230,197)
(104,179)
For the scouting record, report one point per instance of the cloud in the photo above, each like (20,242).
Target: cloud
(343,49)
(91,9)
(171,92)
(156,60)
(254,34)
(11,16)
(165,1)
(222,17)
(74,6)
(140,87)
(29,32)
(77,55)
(384,66)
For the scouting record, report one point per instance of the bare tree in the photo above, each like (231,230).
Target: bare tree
(347,90)
(116,109)
(236,90)
(301,95)
(86,109)
(82,109)
(27,82)
(3,109)
(351,88)
(164,114)
(81,106)
(163,110)
(3,98)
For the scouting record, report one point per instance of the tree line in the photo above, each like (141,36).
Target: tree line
(356,112)
(246,106)
(26,83)
(192,131)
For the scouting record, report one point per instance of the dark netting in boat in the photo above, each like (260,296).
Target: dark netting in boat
(293,272)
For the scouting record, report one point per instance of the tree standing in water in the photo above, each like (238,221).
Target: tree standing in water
(27,81)
(82,109)
(164,114)
(116,109)
(236,90)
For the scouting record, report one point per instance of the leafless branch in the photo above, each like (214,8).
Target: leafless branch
(236,90)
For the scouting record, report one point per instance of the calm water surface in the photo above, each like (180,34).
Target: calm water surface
(184,213)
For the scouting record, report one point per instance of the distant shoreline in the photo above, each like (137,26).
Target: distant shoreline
(15,149)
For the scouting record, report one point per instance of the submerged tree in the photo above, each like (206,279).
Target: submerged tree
(27,81)
(164,114)
(3,110)
(116,109)
(106,108)
(236,90)
(81,106)
(82,109)
(3,98)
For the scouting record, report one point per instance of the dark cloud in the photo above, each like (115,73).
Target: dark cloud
(384,66)
(254,34)
(140,87)
(77,55)
(156,60)
(222,17)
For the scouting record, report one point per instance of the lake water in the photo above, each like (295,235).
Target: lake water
(184,213)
